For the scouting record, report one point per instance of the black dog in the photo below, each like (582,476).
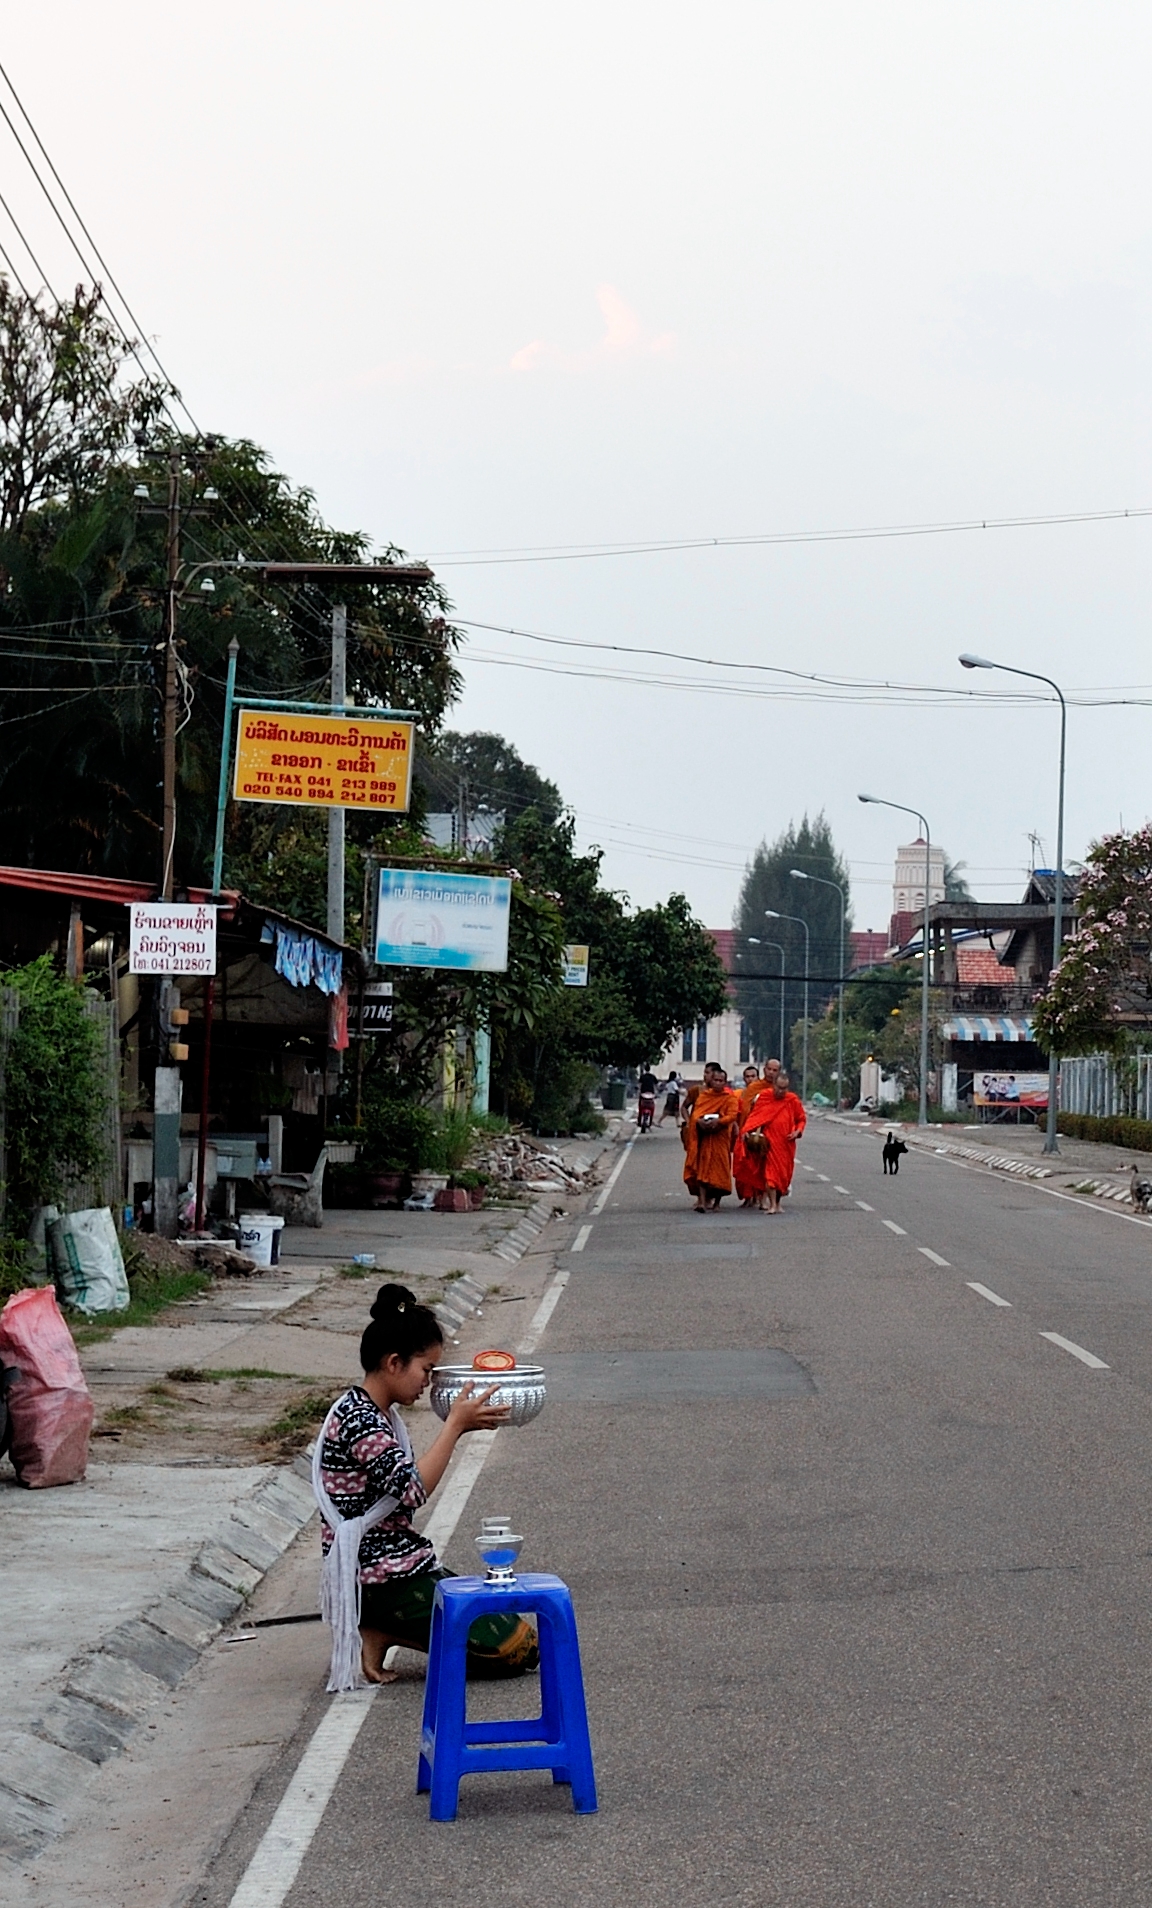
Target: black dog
(892,1151)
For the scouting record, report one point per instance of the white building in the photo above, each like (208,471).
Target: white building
(908,884)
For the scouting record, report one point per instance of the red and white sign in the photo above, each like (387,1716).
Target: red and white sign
(167,937)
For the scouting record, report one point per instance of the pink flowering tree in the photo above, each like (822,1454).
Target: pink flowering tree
(1103,985)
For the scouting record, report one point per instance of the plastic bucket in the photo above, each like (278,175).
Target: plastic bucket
(260,1237)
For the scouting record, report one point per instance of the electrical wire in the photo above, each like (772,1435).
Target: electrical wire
(27,248)
(581,552)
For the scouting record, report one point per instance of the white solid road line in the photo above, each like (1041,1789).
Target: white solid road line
(893,1227)
(864,1206)
(993,1298)
(1077,1351)
(934,1256)
(613,1177)
(581,1239)
(270,1874)
(285,1842)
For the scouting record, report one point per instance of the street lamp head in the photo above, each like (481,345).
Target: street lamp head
(968,661)
(865,798)
(770,914)
(753,939)
(208,587)
(799,875)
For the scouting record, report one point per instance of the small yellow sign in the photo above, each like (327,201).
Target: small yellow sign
(321,761)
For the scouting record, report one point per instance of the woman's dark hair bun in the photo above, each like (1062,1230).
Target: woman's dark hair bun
(400,1324)
(391,1299)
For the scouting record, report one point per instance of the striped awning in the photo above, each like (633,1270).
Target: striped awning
(1000,1027)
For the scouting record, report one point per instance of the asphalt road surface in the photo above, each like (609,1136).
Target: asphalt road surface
(861,1559)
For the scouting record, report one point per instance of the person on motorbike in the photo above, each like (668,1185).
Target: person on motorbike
(646,1108)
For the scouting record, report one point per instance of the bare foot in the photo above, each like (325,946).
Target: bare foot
(375,1645)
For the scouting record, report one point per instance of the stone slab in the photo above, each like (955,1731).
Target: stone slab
(114,1683)
(227,1568)
(213,1599)
(150,1650)
(42,1770)
(177,1619)
(25,1825)
(85,1728)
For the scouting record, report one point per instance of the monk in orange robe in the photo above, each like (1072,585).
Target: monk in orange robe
(755,1086)
(709,1131)
(784,1122)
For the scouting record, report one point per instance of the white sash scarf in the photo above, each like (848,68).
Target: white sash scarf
(340,1572)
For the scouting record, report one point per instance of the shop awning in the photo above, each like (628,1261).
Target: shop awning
(995,1027)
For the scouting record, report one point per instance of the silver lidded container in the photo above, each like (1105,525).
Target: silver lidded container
(521,1389)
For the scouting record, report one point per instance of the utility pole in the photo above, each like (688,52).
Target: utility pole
(168,832)
(336,813)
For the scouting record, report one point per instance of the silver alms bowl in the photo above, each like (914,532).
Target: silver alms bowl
(522,1390)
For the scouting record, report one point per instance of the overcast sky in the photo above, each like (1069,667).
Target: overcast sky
(503,277)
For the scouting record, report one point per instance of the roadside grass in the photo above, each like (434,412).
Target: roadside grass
(120,1415)
(193,1375)
(291,1429)
(150,1294)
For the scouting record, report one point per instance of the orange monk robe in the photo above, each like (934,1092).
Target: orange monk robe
(750,1095)
(782,1128)
(748,1162)
(708,1154)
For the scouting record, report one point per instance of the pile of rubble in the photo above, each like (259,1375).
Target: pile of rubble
(514,1162)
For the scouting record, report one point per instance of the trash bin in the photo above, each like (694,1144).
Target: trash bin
(614,1096)
(260,1236)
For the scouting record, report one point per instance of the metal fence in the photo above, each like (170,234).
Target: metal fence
(1099,1084)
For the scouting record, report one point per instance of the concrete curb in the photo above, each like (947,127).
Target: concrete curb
(515,1243)
(108,1690)
(462,1298)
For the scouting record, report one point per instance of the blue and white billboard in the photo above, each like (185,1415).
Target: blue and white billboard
(442,920)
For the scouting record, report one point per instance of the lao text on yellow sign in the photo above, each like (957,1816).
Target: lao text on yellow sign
(322,761)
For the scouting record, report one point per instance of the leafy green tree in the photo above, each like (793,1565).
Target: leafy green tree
(493,779)
(768,884)
(1101,992)
(67,409)
(80,627)
(652,971)
(955,886)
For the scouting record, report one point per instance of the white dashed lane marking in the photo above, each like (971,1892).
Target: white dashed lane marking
(581,1239)
(842,1189)
(864,1206)
(893,1227)
(993,1298)
(929,1254)
(1077,1351)
(825,1178)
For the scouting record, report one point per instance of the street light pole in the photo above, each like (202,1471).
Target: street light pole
(756,942)
(879,802)
(798,874)
(1051,1137)
(774,914)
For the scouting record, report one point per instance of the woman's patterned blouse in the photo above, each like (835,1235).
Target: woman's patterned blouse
(362,1460)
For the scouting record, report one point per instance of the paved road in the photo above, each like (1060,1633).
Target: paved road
(869,1628)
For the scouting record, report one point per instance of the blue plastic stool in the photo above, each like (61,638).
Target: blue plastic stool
(557,1739)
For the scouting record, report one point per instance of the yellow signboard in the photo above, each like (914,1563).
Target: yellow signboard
(321,761)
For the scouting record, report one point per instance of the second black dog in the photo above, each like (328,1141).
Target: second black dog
(892,1151)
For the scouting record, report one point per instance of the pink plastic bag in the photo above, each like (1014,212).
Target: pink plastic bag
(50,1404)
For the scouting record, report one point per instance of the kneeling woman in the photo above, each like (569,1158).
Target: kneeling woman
(380,1576)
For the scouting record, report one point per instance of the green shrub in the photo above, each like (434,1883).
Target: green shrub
(1114,1130)
(54,1091)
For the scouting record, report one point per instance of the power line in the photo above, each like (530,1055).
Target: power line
(576,553)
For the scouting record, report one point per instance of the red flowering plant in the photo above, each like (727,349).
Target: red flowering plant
(1102,987)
